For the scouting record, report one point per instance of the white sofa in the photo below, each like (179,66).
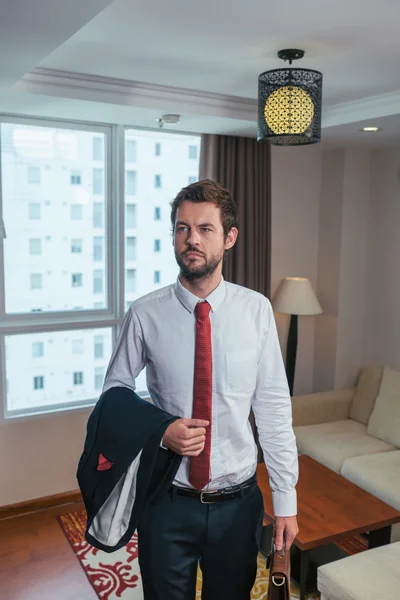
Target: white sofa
(356,432)
(346,579)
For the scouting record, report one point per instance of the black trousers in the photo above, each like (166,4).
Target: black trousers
(178,533)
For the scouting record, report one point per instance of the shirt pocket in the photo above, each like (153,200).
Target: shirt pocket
(241,371)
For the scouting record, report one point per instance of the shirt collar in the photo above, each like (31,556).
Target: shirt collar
(189,300)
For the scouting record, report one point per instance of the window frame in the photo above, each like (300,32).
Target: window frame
(114,255)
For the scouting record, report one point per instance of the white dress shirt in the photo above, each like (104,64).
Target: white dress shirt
(158,332)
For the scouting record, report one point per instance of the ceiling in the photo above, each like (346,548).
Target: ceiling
(128,62)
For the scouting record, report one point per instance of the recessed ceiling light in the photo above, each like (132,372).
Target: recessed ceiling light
(371,129)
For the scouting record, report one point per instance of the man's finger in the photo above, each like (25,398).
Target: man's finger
(195,432)
(279,538)
(196,422)
(188,444)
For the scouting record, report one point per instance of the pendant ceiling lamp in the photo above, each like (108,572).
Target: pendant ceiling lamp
(289,104)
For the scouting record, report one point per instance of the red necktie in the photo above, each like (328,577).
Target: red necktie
(199,474)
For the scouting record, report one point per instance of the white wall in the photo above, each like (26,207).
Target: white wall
(382,315)
(295,195)
(344,206)
(39,455)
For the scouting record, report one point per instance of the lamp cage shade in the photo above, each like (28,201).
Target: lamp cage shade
(289,106)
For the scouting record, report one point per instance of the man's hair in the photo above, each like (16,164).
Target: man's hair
(208,191)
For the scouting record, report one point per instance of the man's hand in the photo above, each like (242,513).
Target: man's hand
(186,436)
(286,530)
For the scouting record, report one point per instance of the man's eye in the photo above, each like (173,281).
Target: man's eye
(206,229)
(181,228)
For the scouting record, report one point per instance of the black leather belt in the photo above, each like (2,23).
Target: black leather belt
(218,496)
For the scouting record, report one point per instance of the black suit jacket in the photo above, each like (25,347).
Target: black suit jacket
(122,467)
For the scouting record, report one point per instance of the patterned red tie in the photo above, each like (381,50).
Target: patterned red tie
(199,474)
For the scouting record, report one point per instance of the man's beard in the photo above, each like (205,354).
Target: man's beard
(195,272)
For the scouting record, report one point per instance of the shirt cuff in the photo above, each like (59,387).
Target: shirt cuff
(284,504)
(162,445)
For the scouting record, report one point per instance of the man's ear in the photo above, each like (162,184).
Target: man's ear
(231,238)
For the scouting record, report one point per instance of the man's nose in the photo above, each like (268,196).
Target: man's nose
(193,238)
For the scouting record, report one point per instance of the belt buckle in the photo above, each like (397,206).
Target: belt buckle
(204,501)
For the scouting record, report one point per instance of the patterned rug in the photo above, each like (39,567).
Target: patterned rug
(116,576)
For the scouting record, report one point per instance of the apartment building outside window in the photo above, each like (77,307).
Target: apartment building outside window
(35,246)
(157,181)
(193,152)
(98,148)
(130,150)
(33,175)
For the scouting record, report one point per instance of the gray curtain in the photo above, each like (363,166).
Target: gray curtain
(243,166)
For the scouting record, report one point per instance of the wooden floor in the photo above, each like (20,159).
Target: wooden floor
(36,560)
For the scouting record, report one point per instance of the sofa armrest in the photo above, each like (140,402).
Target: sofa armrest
(322,407)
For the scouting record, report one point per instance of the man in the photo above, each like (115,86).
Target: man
(211,351)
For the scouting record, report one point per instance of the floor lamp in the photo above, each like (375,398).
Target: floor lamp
(295,296)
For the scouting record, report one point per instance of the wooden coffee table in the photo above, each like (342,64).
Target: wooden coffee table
(329,509)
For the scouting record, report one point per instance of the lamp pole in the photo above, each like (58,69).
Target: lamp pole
(291,351)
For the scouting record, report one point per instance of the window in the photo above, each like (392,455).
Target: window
(76,246)
(68,347)
(130,216)
(157,181)
(130,150)
(37,349)
(157,276)
(98,346)
(98,181)
(33,175)
(157,245)
(98,215)
(35,246)
(193,152)
(78,378)
(98,243)
(77,280)
(98,377)
(130,248)
(66,215)
(131,280)
(97,281)
(192,179)
(76,212)
(77,346)
(36,281)
(130,182)
(38,382)
(98,148)
(34,211)
(76,178)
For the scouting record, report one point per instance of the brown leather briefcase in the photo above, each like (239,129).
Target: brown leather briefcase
(279,574)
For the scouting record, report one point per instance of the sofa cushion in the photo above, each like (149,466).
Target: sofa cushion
(384,422)
(378,474)
(331,443)
(370,575)
(366,393)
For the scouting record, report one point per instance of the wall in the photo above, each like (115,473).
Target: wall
(39,455)
(294,245)
(342,264)
(382,315)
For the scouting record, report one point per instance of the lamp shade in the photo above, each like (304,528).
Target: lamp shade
(289,106)
(295,296)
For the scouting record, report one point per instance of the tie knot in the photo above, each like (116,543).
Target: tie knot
(202,310)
